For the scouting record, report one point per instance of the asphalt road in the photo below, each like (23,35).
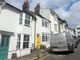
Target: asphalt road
(64,55)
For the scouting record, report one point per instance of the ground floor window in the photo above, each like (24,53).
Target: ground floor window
(24,41)
(18,41)
(45,37)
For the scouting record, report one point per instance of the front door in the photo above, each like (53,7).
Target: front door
(4,47)
(38,41)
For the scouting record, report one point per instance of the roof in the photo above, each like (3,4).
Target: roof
(7,4)
(54,13)
(63,21)
(42,17)
(30,12)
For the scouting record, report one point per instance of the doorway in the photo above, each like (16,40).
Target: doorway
(4,46)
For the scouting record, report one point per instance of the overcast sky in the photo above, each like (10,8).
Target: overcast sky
(66,9)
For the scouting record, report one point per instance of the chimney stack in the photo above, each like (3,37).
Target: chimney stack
(37,9)
(2,2)
(25,5)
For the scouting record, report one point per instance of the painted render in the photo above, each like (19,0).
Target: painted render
(9,23)
(40,30)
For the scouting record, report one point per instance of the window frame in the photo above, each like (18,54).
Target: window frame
(26,41)
(55,27)
(46,37)
(21,18)
(19,41)
(27,19)
(45,23)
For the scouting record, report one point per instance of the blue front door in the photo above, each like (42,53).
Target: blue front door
(4,47)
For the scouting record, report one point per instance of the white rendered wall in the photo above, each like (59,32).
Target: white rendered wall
(41,30)
(9,21)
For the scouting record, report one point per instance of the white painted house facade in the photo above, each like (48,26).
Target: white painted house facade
(77,31)
(63,26)
(16,31)
(53,17)
(43,28)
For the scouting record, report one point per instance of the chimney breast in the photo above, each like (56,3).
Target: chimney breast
(37,9)
(26,5)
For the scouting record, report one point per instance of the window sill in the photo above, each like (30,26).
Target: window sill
(27,25)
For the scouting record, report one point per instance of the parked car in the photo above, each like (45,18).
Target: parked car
(62,42)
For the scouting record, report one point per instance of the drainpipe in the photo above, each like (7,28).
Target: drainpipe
(35,34)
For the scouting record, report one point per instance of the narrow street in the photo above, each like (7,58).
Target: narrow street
(65,56)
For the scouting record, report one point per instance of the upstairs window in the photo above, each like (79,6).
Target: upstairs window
(45,23)
(20,18)
(55,27)
(27,20)
(78,28)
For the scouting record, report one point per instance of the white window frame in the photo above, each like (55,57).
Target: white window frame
(26,41)
(21,18)
(55,27)
(19,41)
(45,23)
(27,19)
(46,37)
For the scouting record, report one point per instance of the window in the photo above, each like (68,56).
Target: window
(45,37)
(18,41)
(79,32)
(55,27)
(20,18)
(78,28)
(26,41)
(27,20)
(45,23)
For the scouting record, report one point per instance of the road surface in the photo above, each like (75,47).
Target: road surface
(64,55)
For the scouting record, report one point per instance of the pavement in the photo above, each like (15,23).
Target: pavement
(36,55)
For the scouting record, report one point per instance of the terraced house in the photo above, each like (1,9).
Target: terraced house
(43,28)
(16,30)
(53,17)
(23,30)
(63,26)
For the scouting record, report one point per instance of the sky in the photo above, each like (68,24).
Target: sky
(68,10)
